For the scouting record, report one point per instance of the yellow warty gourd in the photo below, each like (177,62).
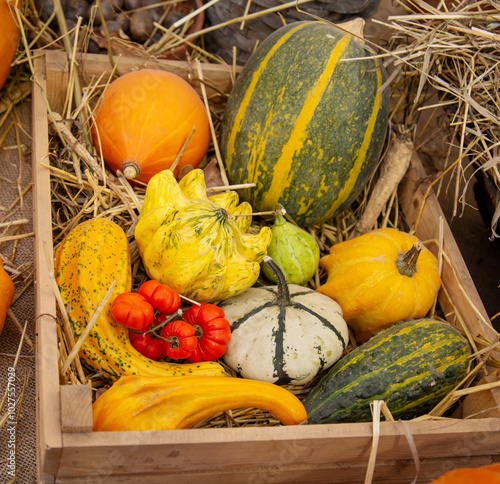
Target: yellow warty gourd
(198,245)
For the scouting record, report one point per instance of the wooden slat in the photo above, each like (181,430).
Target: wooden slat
(391,472)
(49,441)
(483,404)
(461,294)
(218,78)
(76,408)
(239,455)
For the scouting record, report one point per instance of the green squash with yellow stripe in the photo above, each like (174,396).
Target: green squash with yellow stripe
(306,122)
(411,366)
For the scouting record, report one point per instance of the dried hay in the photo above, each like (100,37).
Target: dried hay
(447,60)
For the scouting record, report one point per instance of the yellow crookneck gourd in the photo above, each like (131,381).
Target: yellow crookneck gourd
(198,245)
(91,256)
(155,403)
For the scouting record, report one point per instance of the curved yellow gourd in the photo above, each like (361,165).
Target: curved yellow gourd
(88,260)
(198,245)
(156,403)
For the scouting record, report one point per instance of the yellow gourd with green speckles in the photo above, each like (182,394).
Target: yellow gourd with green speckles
(91,256)
(198,245)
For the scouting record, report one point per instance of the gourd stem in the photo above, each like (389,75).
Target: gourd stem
(407,261)
(173,341)
(279,214)
(131,170)
(283,296)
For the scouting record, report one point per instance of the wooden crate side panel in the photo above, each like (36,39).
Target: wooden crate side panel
(49,441)
(218,78)
(458,292)
(231,452)
(387,472)
(483,404)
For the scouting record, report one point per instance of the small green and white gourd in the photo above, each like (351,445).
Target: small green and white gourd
(283,334)
(294,250)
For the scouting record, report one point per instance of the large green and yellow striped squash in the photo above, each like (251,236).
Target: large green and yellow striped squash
(411,366)
(306,122)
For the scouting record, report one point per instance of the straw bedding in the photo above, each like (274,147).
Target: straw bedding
(75,201)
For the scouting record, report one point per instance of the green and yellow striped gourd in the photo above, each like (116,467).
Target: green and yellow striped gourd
(294,250)
(306,122)
(411,366)
(93,255)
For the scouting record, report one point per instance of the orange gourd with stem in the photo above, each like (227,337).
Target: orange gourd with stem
(147,118)
(6,294)
(379,278)
(489,474)
(9,37)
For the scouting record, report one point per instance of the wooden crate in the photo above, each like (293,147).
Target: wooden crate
(68,451)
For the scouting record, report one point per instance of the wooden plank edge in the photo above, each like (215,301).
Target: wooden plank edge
(49,438)
(386,472)
(76,408)
(219,78)
(424,214)
(483,404)
(197,449)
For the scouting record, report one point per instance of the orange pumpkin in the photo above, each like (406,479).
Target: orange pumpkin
(8,38)
(144,120)
(481,475)
(6,294)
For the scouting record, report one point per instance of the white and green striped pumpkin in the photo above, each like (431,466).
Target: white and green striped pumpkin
(306,122)
(284,333)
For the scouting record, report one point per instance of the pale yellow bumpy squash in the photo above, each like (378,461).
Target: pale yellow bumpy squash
(198,245)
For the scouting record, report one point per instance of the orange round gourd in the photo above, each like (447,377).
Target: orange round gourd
(8,38)
(6,294)
(489,474)
(144,120)
(380,278)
